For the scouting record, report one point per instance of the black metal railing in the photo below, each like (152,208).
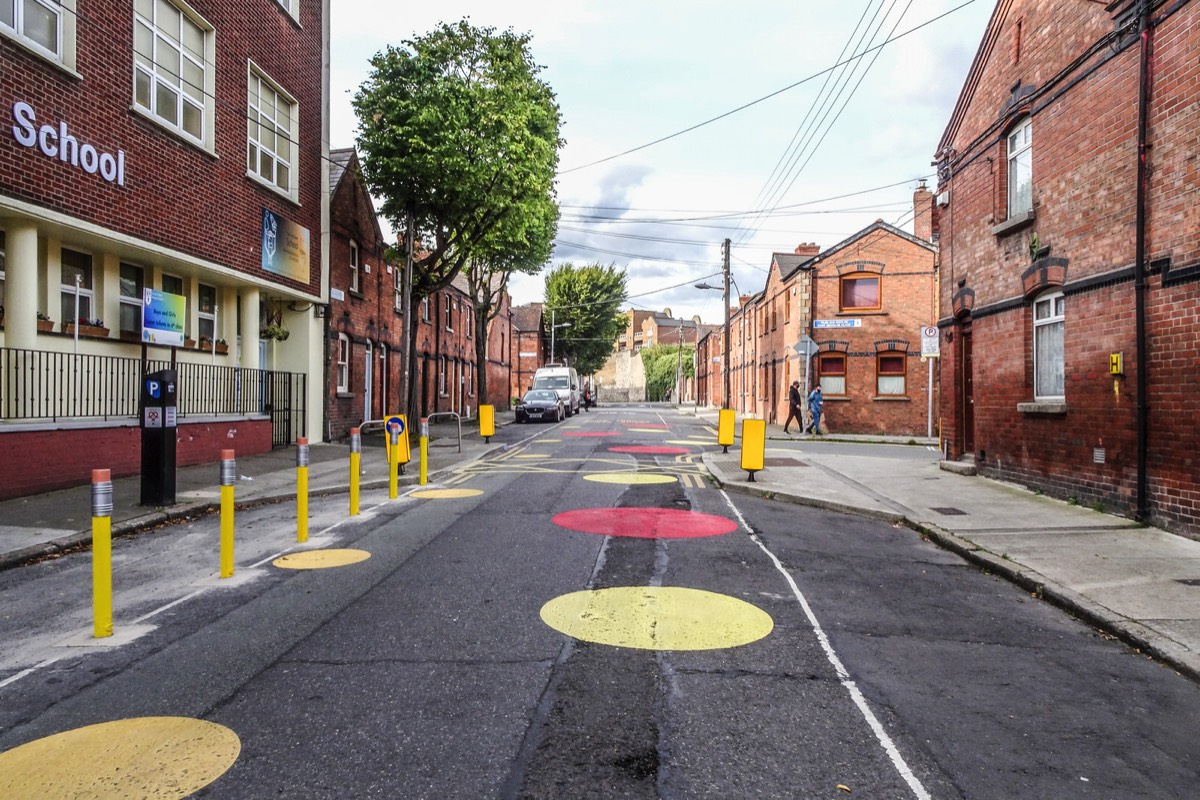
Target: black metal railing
(38,385)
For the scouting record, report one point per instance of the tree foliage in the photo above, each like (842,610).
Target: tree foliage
(661,361)
(456,128)
(588,298)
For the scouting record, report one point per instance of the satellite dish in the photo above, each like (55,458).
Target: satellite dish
(667,312)
(696,318)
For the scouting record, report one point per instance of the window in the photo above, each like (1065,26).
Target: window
(449,318)
(132,283)
(76,265)
(38,23)
(1020,169)
(272,129)
(890,371)
(425,309)
(292,7)
(398,283)
(343,363)
(831,372)
(1049,321)
(173,284)
(353,266)
(442,376)
(207,312)
(860,293)
(470,323)
(172,76)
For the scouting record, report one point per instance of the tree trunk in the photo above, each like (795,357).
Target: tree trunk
(481,349)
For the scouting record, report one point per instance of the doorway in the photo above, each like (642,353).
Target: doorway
(968,392)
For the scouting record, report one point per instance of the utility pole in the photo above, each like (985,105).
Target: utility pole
(406,343)
(725,355)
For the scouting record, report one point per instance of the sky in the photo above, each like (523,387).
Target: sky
(816,153)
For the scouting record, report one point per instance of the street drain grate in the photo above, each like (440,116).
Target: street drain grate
(783,462)
(949,512)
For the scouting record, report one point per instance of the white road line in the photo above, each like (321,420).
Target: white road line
(856,695)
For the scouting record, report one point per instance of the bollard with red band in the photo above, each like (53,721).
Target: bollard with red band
(228,478)
(302,489)
(102,506)
(355,468)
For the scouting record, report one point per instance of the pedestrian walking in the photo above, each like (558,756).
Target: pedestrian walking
(815,402)
(795,407)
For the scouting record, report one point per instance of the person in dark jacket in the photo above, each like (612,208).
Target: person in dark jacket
(795,407)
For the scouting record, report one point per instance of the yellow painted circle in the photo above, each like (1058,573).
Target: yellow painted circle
(630,477)
(657,618)
(445,494)
(158,757)
(321,559)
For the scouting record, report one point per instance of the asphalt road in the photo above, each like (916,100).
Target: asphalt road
(891,669)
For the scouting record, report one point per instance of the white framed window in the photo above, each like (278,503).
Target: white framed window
(132,281)
(292,7)
(425,309)
(1020,169)
(173,53)
(206,312)
(831,373)
(44,26)
(272,130)
(1049,325)
(449,318)
(470,323)
(77,265)
(343,363)
(398,285)
(891,370)
(354,271)
(442,376)
(469,379)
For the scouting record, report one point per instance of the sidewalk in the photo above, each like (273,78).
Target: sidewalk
(1141,584)
(40,525)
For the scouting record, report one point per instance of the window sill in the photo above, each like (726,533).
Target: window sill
(891,398)
(1048,407)
(1015,223)
(343,395)
(861,312)
(356,294)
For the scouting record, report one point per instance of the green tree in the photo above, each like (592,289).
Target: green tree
(585,301)
(661,362)
(507,250)
(458,132)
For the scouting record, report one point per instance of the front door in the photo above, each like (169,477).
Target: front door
(968,399)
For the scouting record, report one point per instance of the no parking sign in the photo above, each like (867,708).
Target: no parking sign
(399,424)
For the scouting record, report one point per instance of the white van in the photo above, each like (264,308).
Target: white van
(563,380)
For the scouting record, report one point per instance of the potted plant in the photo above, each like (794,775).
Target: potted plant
(209,346)
(274,331)
(222,347)
(87,327)
(44,323)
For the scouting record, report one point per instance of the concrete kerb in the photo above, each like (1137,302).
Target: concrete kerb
(1130,632)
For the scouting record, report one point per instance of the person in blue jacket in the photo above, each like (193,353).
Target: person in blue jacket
(815,402)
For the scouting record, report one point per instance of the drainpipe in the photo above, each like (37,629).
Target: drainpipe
(1139,266)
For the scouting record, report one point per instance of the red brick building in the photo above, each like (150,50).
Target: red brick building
(528,347)
(1071,265)
(167,147)
(365,324)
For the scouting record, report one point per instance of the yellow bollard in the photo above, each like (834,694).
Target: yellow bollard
(393,462)
(355,468)
(487,422)
(725,425)
(228,477)
(424,467)
(302,489)
(102,503)
(754,445)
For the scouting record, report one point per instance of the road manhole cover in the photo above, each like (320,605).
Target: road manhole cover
(949,512)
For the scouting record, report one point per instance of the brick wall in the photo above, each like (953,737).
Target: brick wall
(1084,190)
(62,462)
(175,194)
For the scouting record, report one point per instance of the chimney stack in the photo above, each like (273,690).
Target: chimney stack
(923,213)
(808,249)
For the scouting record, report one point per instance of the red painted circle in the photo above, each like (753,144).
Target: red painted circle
(591,434)
(650,450)
(657,425)
(645,523)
